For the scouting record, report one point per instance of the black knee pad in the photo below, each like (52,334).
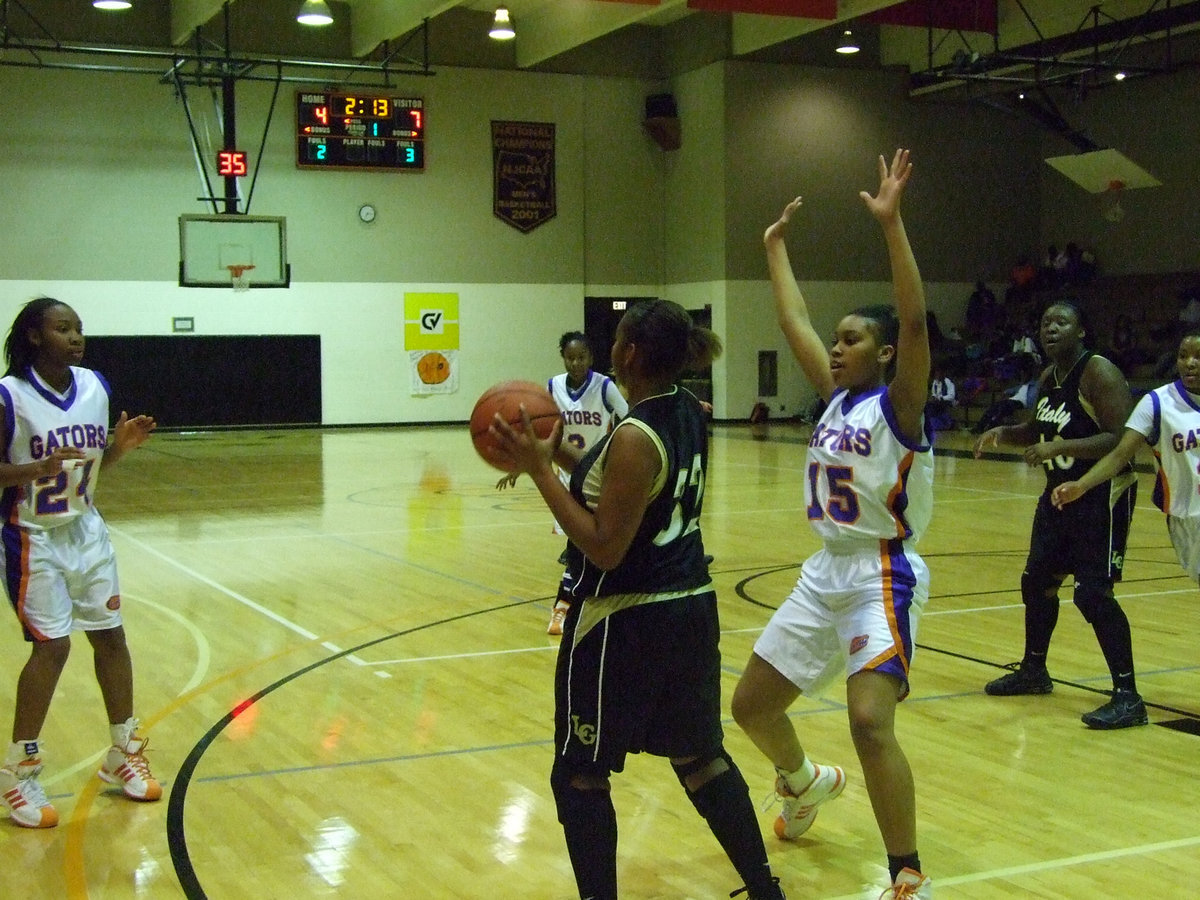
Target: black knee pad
(570,801)
(1094,598)
(713,790)
(700,763)
(1039,588)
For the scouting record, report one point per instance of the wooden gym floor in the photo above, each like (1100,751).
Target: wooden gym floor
(341,661)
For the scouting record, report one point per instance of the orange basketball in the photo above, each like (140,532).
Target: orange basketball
(433,368)
(506,398)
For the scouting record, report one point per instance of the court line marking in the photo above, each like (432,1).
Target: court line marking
(176,799)
(203,659)
(962,879)
(1047,865)
(232,594)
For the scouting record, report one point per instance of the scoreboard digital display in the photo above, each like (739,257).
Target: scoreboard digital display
(359,131)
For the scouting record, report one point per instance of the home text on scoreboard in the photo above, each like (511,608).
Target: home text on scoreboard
(359,131)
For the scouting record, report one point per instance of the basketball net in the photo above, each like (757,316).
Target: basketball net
(237,277)
(1112,203)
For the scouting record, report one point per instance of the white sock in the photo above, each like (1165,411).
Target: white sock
(122,732)
(21,751)
(801,778)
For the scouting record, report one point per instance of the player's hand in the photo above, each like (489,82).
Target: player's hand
(527,452)
(507,481)
(51,465)
(1036,454)
(987,441)
(777,229)
(1067,492)
(885,204)
(128,434)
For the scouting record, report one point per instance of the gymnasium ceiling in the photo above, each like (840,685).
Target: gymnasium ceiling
(944,44)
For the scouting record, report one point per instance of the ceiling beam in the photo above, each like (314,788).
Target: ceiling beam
(188,15)
(565,24)
(374,21)
(1050,53)
(754,32)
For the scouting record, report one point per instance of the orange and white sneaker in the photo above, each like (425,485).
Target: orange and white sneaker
(125,765)
(558,616)
(23,794)
(800,809)
(910,885)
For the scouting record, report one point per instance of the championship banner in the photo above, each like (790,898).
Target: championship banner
(431,339)
(523,173)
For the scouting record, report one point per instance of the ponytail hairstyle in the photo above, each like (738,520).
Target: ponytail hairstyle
(671,341)
(19,350)
(884,325)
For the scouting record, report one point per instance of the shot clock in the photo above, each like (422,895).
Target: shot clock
(232,163)
(359,131)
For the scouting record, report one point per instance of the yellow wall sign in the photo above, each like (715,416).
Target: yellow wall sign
(430,321)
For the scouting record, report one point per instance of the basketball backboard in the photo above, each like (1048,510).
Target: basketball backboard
(212,247)
(1103,170)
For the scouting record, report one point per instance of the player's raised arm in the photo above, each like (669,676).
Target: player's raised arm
(910,386)
(792,311)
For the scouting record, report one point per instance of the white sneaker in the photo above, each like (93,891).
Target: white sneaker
(24,797)
(909,885)
(558,616)
(126,765)
(800,810)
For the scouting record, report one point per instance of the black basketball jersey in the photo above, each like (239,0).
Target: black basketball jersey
(666,555)
(1062,414)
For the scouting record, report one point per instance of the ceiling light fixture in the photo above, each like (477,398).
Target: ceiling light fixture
(111,4)
(847,44)
(314,12)
(502,27)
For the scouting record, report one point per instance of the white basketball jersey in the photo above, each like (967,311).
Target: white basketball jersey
(38,419)
(1169,418)
(862,479)
(590,412)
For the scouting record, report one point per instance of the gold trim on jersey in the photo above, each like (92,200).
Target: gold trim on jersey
(596,609)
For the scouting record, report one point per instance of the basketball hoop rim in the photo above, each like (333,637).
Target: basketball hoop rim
(237,276)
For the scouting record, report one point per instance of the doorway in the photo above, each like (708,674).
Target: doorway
(601,315)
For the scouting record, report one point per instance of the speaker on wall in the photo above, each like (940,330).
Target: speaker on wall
(662,121)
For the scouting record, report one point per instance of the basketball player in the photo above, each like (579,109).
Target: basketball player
(859,599)
(1083,402)
(1168,419)
(60,571)
(591,404)
(639,668)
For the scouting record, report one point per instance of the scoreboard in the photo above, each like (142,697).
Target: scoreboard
(359,131)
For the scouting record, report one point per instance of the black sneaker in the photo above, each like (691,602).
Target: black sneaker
(1124,710)
(1020,681)
(774,892)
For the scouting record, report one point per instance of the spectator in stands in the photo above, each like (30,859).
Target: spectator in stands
(1188,320)
(983,314)
(1080,265)
(1021,352)
(1020,280)
(1015,401)
(1126,350)
(939,407)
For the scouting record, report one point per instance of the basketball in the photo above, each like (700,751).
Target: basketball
(506,398)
